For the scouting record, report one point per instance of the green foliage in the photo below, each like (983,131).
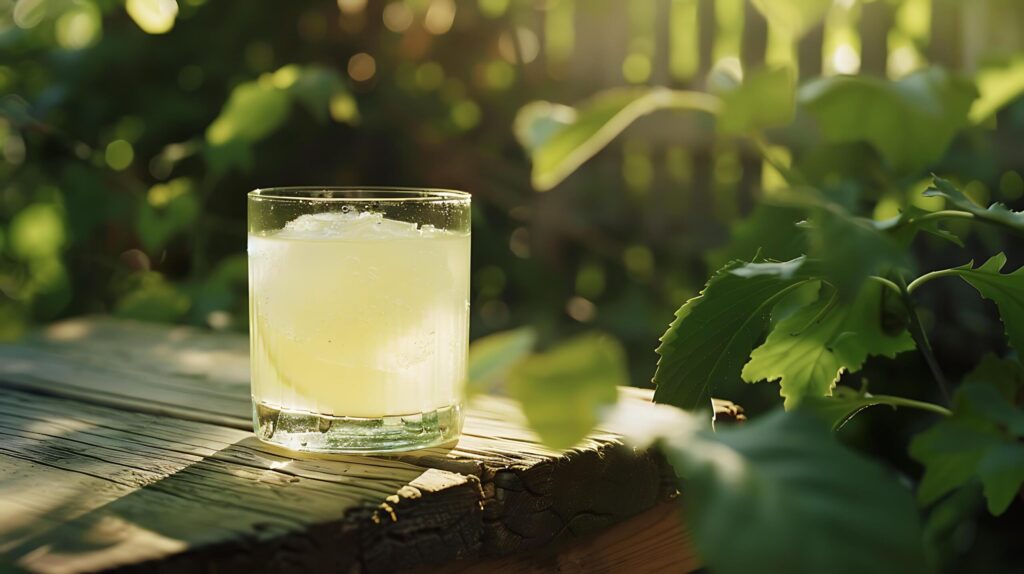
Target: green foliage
(1006,290)
(765,99)
(559,140)
(996,213)
(982,439)
(803,502)
(491,357)
(910,122)
(848,250)
(712,335)
(810,349)
(998,85)
(564,391)
(257,109)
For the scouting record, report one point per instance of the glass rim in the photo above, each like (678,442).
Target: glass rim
(359,194)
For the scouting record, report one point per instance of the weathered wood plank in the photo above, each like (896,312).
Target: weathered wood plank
(155,420)
(653,542)
(92,488)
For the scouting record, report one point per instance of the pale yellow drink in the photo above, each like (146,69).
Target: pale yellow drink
(356,315)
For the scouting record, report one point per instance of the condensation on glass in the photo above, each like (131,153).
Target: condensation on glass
(358,316)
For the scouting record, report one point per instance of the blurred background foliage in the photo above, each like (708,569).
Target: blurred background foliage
(130,132)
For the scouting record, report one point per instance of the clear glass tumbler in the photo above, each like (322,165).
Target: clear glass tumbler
(358,316)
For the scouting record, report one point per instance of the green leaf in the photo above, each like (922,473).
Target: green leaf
(153,16)
(712,335)
(837,410)
(253,111)
(803,502)
(769,231)
(765,99)
(491,357)
(909,222)
(564,391)
(998,85)
(808,351)
(793,17)
(996,213)
(848,250)
(1006,290)
(982,439)
(911,122)
(318,89)
(1006,375)
(559,142)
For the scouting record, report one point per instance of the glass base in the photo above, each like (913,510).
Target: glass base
(311,432)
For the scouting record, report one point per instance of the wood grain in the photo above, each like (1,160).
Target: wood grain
(141,436)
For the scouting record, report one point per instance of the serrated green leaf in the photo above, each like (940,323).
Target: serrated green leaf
(910,221)
(808,351)
(996,213)
(804,503)
(564,391)
(559,145)
(491,357)
(794,17)
(765,99)
(911,121)
(712,335)
(982,439)
(1006,290)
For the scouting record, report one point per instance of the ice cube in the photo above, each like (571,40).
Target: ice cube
(351,225)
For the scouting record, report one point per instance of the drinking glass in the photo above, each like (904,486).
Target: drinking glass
(358,316)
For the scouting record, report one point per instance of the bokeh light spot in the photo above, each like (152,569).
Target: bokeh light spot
(79,27)
(636,68)
(343,108)
(397,17)
(493,8)
(465,114)
(362,67)
(528,44)
(440,17)
(119,154)
(351,6)
(37,232)
(429,76)
(153,16)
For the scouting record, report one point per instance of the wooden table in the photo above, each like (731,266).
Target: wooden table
(127,446)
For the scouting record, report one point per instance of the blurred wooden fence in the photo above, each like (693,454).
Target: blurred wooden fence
(584,46)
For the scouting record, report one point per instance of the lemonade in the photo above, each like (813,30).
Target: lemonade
(358,331)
